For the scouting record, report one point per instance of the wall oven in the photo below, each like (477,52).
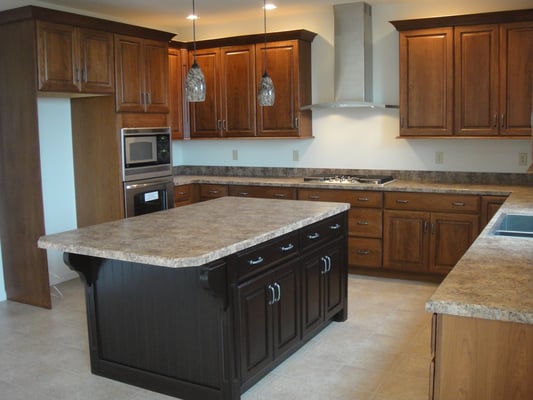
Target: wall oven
(147,170)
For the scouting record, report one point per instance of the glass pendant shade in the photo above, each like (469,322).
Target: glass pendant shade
(266,94)
(195,84)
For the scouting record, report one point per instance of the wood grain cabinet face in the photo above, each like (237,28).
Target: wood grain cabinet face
(229,106)
(74,60)
(426,82)
(141,69)
(177,70)
(265,192)
(428,232)
(489,206)
(211,191)
(289,66)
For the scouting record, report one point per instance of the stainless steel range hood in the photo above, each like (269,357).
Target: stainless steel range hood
(353,58)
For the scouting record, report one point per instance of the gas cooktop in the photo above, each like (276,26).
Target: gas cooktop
(351,179)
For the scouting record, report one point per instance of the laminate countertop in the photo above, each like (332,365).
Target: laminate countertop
(192,235)
(493,280)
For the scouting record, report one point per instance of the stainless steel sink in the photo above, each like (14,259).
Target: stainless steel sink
(518,225)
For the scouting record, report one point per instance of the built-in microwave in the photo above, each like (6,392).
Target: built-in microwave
(146,153)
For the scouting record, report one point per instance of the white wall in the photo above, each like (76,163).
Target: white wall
(359,138)
(57,173)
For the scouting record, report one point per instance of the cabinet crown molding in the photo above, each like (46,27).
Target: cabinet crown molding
(468,19)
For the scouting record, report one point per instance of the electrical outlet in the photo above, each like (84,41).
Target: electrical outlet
(522,159)
(235,154)
(295,155)
(439,157)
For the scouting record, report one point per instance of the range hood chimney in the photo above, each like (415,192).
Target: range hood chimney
(353,58)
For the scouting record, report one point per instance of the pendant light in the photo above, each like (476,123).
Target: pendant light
(195,80)
(266,93)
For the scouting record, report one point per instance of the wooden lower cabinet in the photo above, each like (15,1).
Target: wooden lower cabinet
(480,359)
(184,195)
(323,286)
(268,310)
(489,206)
(212,191)
(420,241)
(264,192)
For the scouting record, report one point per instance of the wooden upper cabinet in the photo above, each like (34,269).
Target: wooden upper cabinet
(289,65)
(426,82)
(229,107)
(74,59)
(476,80)
(516,82)
(177,70)
(141,69)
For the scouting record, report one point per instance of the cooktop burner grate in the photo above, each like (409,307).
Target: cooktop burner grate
(353,179)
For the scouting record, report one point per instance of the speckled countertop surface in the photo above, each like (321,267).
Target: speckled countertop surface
(493,280)
(193,235)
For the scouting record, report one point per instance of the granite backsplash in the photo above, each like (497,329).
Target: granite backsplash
(488,178)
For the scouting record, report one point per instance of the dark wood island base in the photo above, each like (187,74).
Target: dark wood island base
(212,331)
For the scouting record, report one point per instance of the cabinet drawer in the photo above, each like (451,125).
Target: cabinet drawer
(432,202)
(364,252)
(257,259)
(323,231)
(365,222)
(182,193)
(266,192)
(357,198)
(209,191)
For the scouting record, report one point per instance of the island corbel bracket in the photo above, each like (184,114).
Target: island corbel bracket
(83,265)
(213,278)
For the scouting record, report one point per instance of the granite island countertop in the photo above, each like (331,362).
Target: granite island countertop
(192,235)
(493,280)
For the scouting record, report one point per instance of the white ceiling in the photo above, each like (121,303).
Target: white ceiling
(170,14)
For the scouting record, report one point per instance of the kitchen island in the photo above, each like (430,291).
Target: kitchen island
(200,302)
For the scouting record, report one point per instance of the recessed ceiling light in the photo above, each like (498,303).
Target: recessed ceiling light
(270,6)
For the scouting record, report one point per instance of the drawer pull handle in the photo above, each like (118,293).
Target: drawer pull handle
(362,222)
(313,236)
(335,227)
(279,195)
(459,203)
(314,197)
(258,260)
(288,247)
(400,201)
(182,193)
(363,252)
(243,193)
(363,199)
(213,192)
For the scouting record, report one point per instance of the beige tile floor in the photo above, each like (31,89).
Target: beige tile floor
(380,353)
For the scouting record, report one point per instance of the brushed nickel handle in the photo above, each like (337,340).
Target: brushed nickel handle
(325,263)
(182,193)
(314,197)
(433,229)
(278,297)
(279,195)
(502,121)
(363,252)
(243,193)
(213,191)
(362,222)
(458,203)
(335,227)
(425,226)
(313,236)
(287,247)
(258,260)
(363,199)
(328,265)
(272,295)
(401,201)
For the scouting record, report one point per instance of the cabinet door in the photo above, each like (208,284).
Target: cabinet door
(238,90)
(426,82)
(281,119)
(516,81)
(177,67)
(312,293)
(489,206)
(57,57)
(129,69)
(155,56)
(476,80)
(286,313)
(96,61)
(451,236)
(254,300)
(335,280)
(405,240)
(205,115)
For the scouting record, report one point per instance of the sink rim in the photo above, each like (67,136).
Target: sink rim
(497,229)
